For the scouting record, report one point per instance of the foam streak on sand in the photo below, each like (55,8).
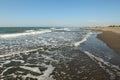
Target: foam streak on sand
(23,34)
(113,71)
(83,40)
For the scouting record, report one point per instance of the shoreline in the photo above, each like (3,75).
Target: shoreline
(111,39)
(110,36)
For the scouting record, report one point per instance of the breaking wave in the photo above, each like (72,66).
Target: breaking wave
(61,29)
(28,32)
(83,40)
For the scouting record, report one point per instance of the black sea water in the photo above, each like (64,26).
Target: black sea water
(55,53)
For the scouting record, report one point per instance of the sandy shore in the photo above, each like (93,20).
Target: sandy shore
(110,35)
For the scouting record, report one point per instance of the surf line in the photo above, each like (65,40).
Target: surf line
(113,71)
(83,40)
(15,53)
(24,34)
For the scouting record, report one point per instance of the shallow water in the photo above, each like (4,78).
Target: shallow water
(56,53)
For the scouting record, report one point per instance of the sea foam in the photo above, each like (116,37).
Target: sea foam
(32,32)
(113,69)
(61,29)
(83,40)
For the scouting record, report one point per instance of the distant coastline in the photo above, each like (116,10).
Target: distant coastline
(110,35)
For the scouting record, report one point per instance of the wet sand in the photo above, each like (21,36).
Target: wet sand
(80,67)
(73,65)
(110,35)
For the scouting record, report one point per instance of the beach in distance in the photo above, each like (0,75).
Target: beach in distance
(110,35)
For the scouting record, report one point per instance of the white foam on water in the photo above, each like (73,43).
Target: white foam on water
(64,29)
(21,61)
(83,40)
(113,70)
(6,70)
(32,32)
(49,58)
(33,69)
(9,61)
(18,52)
(45,75)
(49,70)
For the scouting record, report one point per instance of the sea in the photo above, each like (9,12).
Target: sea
(55,53)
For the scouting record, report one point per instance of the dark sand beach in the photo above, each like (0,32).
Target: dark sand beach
(111,39)
(110,35)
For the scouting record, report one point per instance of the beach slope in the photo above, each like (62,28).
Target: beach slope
(110,35)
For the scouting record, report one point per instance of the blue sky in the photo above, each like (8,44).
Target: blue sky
(59,12)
